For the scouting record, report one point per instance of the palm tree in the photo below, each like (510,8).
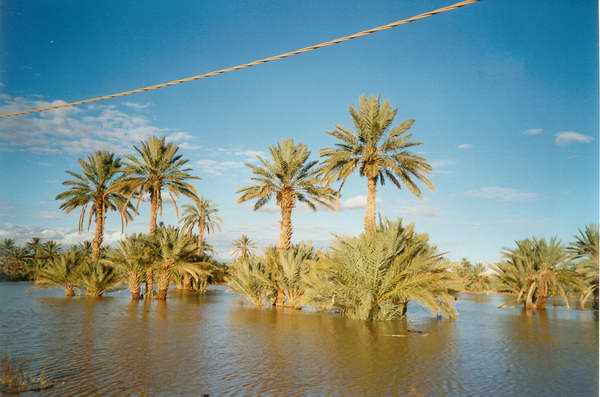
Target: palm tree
(157,167)
(7,245)
(585,251)
(175,253)
(288,177)
(535,270)
(292,267)
(96,279)
(377,151)
(61,270)
(203,214)
(249,277)
(243,248)
(375,275)
(131,258)
(95,192)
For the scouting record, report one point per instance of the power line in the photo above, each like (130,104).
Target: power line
(273,58)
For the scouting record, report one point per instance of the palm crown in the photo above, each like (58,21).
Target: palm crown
(203,214)
(288,177)
(95,191)
(157,167)
(377,151)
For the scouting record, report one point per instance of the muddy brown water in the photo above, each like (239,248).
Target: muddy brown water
(217,345)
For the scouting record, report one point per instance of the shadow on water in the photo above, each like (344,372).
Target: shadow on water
(192,345)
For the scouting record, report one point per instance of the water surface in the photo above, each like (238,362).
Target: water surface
(215,344)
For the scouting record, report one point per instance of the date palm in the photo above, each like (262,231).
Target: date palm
(131,258)
(288,177)
(535,270)
(375,275)
(175,253)
(378,151)
(95,279)
(62,270)
(203,215)
(157,168)
(95,191)
(243,248)
(585,251)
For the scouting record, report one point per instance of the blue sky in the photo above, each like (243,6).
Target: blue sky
(504,93)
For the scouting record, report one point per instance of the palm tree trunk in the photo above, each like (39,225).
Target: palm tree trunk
(153,211)
(187,282)
(287,205)
(371,205)
(149,283)
(134,286)
(201,228)
(69,290)
(97,243)
(163,284)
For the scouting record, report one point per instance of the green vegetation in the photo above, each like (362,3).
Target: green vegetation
(536,270)
(373,276)
(585,253)
(16,378)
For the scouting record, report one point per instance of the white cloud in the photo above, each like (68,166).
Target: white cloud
(23,233)
(78,130)
(465,146)
(136,105)
(214,167)
(440,166)
(359,201)
(420,209)
(533,131)
(567,137)
(501,194)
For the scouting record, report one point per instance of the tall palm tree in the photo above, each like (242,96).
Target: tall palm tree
(535,270)
(203,214)
(243,248)
(95,192)
(156,168)
(377,151)
(288,177)
(585,251)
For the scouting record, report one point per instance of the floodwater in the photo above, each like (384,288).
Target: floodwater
(217,345)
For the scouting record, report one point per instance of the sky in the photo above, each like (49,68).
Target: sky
(504,94)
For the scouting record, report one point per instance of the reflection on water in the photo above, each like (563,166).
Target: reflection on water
(214,344)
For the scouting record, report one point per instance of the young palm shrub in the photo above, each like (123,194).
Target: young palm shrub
(95,190)
(375,275)
(96,279)
(476,280)
(61,270)
(289,177)
(292,267)
(203,215)
(175,253)
(249,277)
(377,151)
(131,259)
(535,270)
(585,251)
(243,248)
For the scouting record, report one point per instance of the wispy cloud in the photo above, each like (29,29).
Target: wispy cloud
(23,233)
(567,137)
(501,194)
(465,146)
(78,130)
(440,166)
(420,209)
(214,167)
(533,131)
(136,105)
